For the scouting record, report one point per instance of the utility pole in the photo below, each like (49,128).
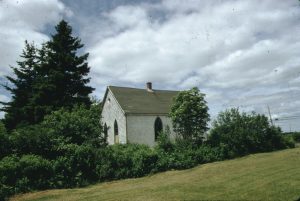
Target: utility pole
(270,116)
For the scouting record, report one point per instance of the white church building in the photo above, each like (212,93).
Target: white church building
(132,115)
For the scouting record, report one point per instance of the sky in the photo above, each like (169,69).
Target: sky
(240,53)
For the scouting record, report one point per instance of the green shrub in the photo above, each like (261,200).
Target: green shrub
(164,142)
(9,174)
(143,161)
(10,170)
(35,140)
(22,174)
(296,136)
(182,156)
(104,162)
(245,133)
(125,161)
(183,159)
(207,154)
(36,172)
(289,141)
(176,154)
(76,167)
(186,154)
(79,126)
(187,158)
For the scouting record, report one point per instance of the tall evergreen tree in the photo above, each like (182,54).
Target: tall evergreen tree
(49,78)
(63,72)
(67,70)
(18,110)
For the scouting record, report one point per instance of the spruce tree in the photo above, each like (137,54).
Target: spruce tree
(68,70)
(19,110)
(63,73)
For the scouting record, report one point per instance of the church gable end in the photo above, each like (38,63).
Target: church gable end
(113,114)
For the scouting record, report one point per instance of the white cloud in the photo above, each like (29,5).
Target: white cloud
(134,16)
(233,49)
(22,20)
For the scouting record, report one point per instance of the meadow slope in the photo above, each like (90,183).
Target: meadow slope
(266,176)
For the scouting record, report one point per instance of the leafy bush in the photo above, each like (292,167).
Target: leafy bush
(245,133)
(36,172)
(22,174)
(35,139)
(164,142)
(289,141)
(176,160)
(76,167)
(10,170)
(184,153)
(125,161)
(207,154)
(79,126)
(188,157)
(296,136)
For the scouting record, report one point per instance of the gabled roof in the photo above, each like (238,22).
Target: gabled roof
(141,101)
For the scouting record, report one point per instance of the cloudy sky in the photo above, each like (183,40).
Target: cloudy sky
(240,53)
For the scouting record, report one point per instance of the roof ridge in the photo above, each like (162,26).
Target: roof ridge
(144,88)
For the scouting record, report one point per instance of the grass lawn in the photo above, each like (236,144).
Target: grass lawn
(266,176)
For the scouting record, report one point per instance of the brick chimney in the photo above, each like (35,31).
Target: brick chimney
(149,86)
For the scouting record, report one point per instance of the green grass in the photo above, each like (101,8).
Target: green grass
(266,176)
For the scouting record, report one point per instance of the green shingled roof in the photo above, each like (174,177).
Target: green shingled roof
(141,101)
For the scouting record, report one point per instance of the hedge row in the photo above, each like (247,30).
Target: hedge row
(82,165)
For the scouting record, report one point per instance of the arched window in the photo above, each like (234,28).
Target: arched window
(105,130)
(116,132)
(158,127)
